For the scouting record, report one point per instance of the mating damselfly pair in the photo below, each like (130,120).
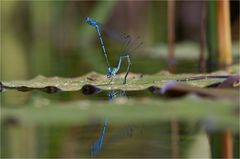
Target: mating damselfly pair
(129,45)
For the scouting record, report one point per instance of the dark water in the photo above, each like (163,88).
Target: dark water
(162,139)
(133,140)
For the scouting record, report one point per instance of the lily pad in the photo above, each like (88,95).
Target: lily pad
(221,114)
(134,82)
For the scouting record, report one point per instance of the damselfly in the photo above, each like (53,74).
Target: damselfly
(129,45)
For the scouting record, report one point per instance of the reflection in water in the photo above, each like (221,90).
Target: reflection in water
(149,140)
(139,140)
(120,135)
(97,146)
(113,94)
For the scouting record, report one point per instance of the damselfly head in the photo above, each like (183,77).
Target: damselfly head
(90,21)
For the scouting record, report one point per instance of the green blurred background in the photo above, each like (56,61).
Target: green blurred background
(50,37)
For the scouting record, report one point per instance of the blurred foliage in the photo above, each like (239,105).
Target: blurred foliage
(212,38)
(87,33)
(126,111)
(50,38)
(159,23)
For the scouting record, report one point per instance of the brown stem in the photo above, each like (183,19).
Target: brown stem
(175,138)
(224,34)
(202,63)
(171,35)
(227,144)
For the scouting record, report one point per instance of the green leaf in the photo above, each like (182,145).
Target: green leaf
(134,81)
(218,114)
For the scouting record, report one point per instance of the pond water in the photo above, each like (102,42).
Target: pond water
(101,138)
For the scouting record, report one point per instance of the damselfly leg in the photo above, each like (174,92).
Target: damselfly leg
(116,69)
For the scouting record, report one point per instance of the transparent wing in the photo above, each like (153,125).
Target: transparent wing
(128,43)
